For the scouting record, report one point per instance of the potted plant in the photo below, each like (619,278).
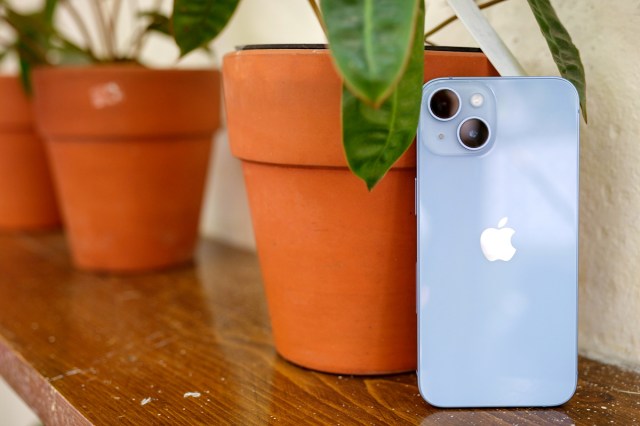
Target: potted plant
(338,261)
(129,145)
(27,198)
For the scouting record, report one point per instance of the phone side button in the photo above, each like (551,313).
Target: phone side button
(415,196)
(417,288)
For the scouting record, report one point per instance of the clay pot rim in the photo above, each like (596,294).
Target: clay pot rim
(282,46)
(170,102)
(8,76)
(309,47)
(127,69)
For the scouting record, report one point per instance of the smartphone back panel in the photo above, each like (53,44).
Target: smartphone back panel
(498,244)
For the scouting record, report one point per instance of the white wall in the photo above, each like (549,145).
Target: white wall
(13,411)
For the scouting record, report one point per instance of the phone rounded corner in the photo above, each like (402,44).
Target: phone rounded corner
(570,395)
(571,391)
(424,393)
(569,86)
(422,389)
(566,396)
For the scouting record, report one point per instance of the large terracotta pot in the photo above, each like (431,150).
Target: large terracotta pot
(130,148)
(338,262)
(27,198)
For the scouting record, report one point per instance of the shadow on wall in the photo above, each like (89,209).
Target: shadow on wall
(225,213)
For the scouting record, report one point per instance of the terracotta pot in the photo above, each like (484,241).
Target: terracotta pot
(338,262)
(27,198)
(130,148)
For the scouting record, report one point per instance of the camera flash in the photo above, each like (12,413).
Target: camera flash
(476,100)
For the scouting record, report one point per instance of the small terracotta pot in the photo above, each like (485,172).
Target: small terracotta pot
(27,198)
(338,261)
(130,148)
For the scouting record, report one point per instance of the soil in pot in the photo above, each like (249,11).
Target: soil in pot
(338,262)
(130,149)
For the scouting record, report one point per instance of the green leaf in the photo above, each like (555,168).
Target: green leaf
(35,36)
(49,10)
(374,138)
(158,22)
(196,22)
(564,52)
(25,76)
(68,53)
(33,33)
(370,42)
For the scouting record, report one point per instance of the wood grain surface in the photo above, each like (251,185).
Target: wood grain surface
(192,346)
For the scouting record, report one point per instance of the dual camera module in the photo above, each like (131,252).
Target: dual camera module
(445,104)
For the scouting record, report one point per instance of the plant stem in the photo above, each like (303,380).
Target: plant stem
(453,18)
(113,22)
(102,24)
(137,30)
(84,31)
(5,42)
(316,11)
(138,44)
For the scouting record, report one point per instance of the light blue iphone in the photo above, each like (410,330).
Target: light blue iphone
(497,207)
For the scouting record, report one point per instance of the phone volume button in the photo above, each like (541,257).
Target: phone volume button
(417,288)
(415,197)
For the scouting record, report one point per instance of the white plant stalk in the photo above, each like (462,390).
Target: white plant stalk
(487,38)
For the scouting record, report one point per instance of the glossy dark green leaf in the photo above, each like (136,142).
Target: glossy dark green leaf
(370,42)
(196,22)
(564,52)
(374,138)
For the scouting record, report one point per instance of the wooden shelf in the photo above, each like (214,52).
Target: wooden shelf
(192,346)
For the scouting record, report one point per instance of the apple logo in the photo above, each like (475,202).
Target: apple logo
(496,242)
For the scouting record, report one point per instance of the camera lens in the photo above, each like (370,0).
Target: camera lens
(473,133)
(444,104)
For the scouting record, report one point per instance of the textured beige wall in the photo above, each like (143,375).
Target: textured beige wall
(606,34)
